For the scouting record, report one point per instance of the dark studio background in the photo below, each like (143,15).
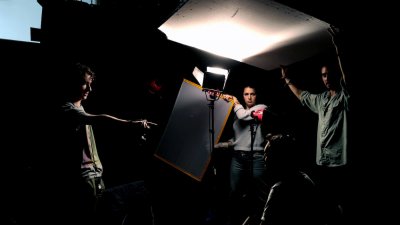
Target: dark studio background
(120,40)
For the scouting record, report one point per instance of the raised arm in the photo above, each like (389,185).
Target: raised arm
(334,34)
(296,91)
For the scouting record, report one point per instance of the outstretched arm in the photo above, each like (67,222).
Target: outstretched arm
(94,118)
(296,91)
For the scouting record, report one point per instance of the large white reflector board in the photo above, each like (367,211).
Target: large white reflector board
(262,33)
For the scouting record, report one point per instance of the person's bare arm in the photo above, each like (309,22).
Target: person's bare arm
(95,118)
(296,91)
(232,98)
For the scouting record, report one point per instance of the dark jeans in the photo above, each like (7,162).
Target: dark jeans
(90,195)
(248,186)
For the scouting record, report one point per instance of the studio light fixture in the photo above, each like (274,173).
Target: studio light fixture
(215,78)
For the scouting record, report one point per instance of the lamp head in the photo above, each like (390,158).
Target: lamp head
(215,78)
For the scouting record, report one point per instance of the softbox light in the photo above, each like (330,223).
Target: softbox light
(215,78)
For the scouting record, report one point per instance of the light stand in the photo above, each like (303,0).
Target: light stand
(258,118)
(211,96)
(252,137)
(213,83)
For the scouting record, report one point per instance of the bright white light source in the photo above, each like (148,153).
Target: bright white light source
(262,33)
(199,75)
(217,70)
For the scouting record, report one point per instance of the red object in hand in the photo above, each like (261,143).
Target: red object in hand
(258,114)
